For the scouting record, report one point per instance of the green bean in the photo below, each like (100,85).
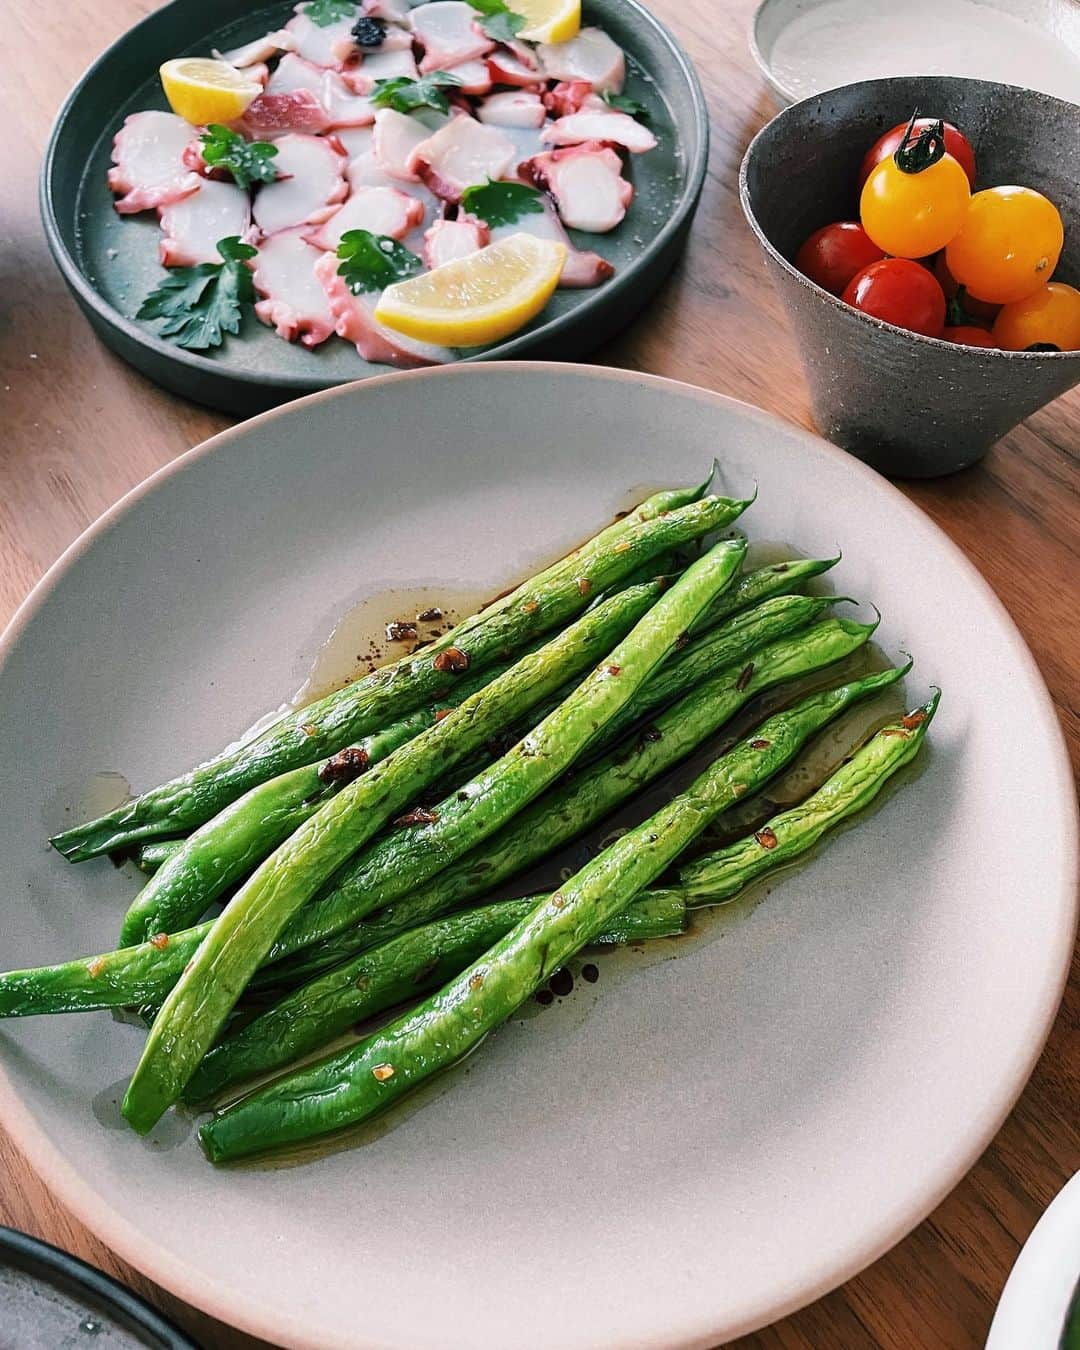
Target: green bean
(735,640)
(200,1002)
(131,976)
(779,578)
(318,1011)
(230,845)
(144,974)
(326,931)
(155,853)
(400,969)
(719,876)
(351,1086)
(319,730)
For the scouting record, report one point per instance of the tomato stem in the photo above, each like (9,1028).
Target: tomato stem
(913,156)
(956,315)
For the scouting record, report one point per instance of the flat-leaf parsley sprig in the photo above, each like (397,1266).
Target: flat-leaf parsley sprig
(201,304)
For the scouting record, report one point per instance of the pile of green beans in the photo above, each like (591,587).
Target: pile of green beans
(348,837)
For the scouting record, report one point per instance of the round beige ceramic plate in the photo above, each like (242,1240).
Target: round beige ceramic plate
(673,1155)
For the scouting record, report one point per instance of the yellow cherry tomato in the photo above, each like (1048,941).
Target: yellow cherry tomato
(913,214)
(1009,246)
(1050,318)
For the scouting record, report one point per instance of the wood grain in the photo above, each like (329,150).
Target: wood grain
(80,428)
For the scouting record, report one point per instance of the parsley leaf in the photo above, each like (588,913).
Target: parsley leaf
(405,95)
(622,104)
(501,203)
(326,12)
(371,262)
(247,161)
(499,21)
(201,304)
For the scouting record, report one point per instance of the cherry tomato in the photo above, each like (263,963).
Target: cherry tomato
(969,336)
(912,214)
(956,144)
(833,254)
(1049,318)
(1009,245)
(976,309)
(900,292)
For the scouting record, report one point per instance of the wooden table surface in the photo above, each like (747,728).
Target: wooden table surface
(80,428)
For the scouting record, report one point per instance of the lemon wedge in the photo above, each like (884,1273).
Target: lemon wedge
(481,298)
(549,20)
(201,90)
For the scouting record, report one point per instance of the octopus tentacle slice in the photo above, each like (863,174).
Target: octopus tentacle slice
(149,168)
(611,128)
(396,139)
(475,77)
(582,269)
(507,68)
(390,11)
(381,65)
(355,322)
(261,50)
(571,96)
(343,106)
(292,301)
(192,226)
(381,210)
(448,240)
(461,153)
(448,32)
(512,108)
(311,184)
(274,115)
(586,184)
(591,56)
(315,42)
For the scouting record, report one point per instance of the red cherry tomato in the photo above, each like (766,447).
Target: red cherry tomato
(833,254)
(969,336)
(901,292)
(977,309)
(956,144)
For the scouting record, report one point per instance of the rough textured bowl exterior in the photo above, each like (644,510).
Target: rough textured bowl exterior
(908,405)
(110,262)
(672,1156)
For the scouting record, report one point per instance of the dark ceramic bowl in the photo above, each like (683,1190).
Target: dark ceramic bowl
(910,406)
(110,262)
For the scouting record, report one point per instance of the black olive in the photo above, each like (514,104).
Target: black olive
(368,32)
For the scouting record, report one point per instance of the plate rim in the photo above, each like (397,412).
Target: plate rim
(45,1260)
(89,298)
(188,1283)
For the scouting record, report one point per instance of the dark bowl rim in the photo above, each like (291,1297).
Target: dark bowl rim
(40,1258)
(978,353)
(90,298)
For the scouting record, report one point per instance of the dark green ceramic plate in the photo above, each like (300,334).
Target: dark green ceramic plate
(110,262)
(50,1299)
